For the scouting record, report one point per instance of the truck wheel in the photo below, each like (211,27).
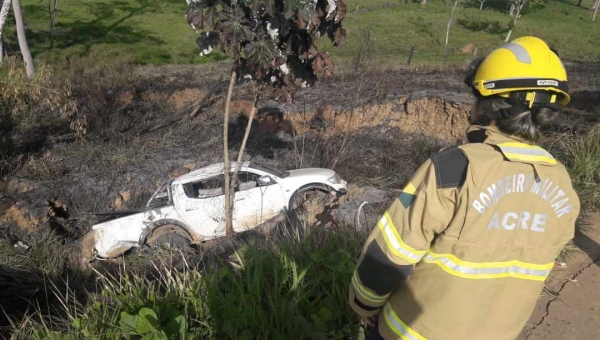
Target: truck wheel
(308,205)
(171,235)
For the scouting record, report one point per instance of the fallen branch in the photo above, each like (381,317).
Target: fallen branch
(215,90)
(206,101)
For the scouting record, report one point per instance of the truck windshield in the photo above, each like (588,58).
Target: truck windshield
(280,174)
(160,197)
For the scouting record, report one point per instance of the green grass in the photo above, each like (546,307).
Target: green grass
(580,153)
(583,162)
(155,32)
(289,287)
(396,27)
(143,31)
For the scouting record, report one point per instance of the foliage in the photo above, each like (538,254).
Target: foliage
(30,100)
(24,103)
(107,32)
(582,158)
(530,5)
(286,287)
(271,41)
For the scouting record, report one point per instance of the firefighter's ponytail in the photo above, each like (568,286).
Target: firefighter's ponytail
(515,120)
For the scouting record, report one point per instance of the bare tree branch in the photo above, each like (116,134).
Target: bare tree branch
(515,12)
(450,21)
(52,6)
(243,147)
(228,220)
(481,2)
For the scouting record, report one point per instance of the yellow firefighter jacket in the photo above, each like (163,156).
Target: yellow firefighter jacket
(464,250)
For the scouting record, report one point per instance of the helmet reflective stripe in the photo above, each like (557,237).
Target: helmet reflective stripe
(519,51)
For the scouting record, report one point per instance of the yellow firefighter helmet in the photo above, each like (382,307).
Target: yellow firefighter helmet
(525,70)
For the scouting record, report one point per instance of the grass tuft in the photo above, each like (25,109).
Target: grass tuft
(582,158)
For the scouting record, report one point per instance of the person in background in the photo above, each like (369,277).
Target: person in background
(464,250)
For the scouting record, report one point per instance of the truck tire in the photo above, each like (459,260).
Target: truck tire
(169,234)
(308,204)
(306,192)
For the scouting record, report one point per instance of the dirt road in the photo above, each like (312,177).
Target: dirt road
(571,308)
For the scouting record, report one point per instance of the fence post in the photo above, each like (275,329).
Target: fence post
(410,55)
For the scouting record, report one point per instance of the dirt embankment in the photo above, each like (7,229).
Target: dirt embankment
(374,128)
(133,147)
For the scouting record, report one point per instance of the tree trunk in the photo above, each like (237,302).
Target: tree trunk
(596,10)
(516,17)
(243,147)
(23,40)
(228,211)
(579,3)
(481,5)
(3,17)
(450,21)
(52,12)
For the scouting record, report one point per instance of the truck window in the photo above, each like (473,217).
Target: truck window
(246,181)
(210,187)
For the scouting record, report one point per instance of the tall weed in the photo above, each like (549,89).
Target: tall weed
(581,156)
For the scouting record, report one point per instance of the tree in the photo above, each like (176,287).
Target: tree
(481,2)
(273,44)
(52,6)
(3,16)
(450,21)
(516,6)
(23,40)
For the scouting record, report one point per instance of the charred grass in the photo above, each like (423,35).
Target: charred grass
(291,284)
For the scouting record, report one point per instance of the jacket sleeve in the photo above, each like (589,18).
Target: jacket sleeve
(403,235)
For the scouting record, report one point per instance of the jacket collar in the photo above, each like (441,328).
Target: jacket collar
(491,135)
(513,148)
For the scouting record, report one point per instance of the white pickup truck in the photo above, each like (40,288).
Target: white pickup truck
(190,208)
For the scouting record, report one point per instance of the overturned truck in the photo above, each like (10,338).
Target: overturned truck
(190,209)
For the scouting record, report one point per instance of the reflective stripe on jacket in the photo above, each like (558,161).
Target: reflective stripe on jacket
(464,250)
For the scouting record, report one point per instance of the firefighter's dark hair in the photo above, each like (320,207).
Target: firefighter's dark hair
(515,119)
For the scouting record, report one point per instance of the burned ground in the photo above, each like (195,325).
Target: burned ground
(374,127)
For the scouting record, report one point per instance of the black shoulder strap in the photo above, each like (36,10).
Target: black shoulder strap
(450,167)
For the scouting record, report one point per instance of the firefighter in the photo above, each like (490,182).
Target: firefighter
(463,251)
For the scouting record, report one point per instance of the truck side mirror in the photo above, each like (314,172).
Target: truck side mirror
(264,180)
